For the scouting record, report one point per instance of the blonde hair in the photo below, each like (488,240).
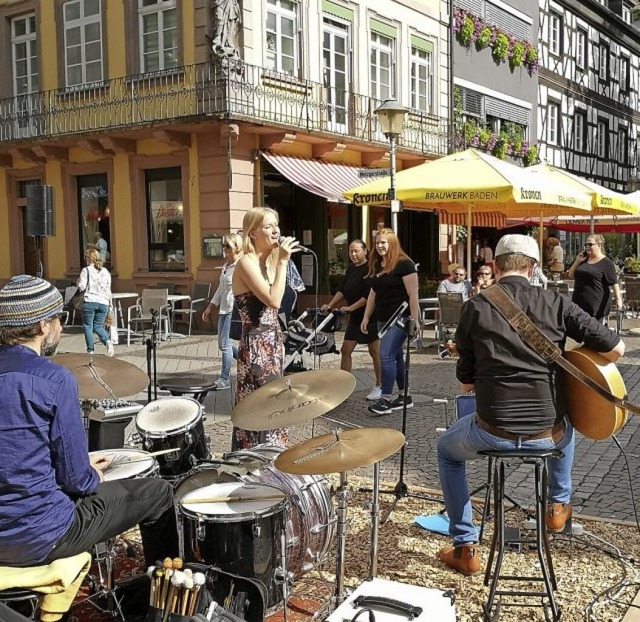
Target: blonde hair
(233,240)
(94,257)
(251,221)
(394,255)
(599,239)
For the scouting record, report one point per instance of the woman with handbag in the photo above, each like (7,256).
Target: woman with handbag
(223,298)
(95,282)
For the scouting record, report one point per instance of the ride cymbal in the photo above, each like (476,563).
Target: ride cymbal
(293,399)
(91,371)
(340,451)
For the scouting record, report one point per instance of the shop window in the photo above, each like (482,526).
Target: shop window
(93,211)
(338,239)
(165,218)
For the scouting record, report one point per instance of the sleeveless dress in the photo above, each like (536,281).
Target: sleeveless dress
(260,360)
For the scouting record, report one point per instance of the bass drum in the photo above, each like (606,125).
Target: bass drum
(310,524)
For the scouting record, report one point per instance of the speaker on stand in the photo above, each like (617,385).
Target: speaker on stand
(39,217)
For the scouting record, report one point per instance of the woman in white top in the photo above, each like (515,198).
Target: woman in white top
(223,298)
(95,282)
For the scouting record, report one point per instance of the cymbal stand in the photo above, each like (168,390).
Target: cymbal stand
(282,576)
(375,521)
(152,363)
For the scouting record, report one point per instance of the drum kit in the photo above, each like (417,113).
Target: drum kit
(264,513)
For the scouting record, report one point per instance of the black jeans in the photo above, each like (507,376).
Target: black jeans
(117,506)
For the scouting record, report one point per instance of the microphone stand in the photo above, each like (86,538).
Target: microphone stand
(151,356)
(401,490)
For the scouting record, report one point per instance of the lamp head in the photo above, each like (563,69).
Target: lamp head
(391,116)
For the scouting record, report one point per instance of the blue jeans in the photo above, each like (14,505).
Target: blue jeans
(93,314)
(229,351)
(392,358)
(462,441)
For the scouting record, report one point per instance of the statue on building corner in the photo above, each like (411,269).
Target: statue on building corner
(227,21)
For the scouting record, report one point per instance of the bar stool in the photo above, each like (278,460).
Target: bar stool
(496,555)
(196,386)
(23,601)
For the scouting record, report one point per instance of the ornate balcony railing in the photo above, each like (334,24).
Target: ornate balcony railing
(227,90)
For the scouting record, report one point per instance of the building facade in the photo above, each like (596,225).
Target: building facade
(159,123)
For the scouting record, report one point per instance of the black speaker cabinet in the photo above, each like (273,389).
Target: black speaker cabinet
(39,214)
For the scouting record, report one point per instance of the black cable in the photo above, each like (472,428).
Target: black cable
(372,616)
(626,463)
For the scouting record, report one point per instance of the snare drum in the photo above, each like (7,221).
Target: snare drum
(309,524)
(127,464)
(174,423)
(238,529)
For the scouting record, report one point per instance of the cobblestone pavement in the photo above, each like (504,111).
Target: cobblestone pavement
(600,479)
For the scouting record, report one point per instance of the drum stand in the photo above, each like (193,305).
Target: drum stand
(152,363)
(282,576)
(103,586)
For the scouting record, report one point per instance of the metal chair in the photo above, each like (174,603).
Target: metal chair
(632,295)
(199,300)
(17,604)
(68,311)
(450,308)
(140,314)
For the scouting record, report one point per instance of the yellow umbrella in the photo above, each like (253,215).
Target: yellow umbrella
(471,181)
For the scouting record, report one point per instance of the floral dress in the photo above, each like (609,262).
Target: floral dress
(260,360)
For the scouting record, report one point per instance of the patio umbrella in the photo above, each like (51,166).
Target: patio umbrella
(471,181)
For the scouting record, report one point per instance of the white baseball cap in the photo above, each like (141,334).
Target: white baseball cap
(517,244)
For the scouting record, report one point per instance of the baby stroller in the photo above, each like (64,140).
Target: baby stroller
(302,344)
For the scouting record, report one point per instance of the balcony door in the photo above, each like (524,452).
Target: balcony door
(336,62)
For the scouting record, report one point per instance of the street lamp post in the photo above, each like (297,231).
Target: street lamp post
(391,117)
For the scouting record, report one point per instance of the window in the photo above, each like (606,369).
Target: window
(555,34)
(552,123)
(601,139)
(581,49)
(281,36)
(165,231)
(624,74)
(382,62)
(603,63)
(421,80)
(579,131)
(93,209)
(335,70)
(82,41)
(626,13)
(623,144)
(158,23)
(24,57)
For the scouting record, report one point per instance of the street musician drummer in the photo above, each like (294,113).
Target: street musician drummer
(53,502)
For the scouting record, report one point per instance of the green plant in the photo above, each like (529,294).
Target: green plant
(469,131)
(465,33)
(531,55)
(632,264)
(500,148)
(484,134)
(484,37)
(461,233)
(531,157)
(517,54)
(500,48)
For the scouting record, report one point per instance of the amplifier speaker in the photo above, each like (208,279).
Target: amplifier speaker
(106,435)
(39,214)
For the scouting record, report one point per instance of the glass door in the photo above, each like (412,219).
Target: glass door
(335,58)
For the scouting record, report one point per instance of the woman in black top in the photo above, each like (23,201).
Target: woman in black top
(351,298)
(395,282)
(594,274)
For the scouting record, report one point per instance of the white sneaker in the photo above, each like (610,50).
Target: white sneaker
(110,350)
(375,394)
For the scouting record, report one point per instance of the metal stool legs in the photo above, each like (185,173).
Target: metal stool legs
(500,541)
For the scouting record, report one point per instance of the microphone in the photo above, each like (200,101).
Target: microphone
(304,249)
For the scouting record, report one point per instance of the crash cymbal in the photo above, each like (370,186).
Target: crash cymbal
(90,372)
(293,399)
(340,451)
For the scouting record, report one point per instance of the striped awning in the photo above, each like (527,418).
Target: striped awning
(325,179)
(479,219)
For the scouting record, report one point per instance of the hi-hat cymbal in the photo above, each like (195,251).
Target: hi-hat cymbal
(293,399)
(90,372)
(340,451)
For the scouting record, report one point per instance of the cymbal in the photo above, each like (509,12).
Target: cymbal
(122,378)
(340,451)
(293,399)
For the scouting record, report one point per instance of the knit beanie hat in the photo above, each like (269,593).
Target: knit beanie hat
(25,300)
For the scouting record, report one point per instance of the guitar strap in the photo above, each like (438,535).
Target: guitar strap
(530,334)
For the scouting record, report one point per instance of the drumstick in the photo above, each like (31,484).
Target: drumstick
(146,456)
(198,580)
(187,588)
(231,499)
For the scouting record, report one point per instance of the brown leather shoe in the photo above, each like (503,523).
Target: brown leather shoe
(464,559)
(557,516)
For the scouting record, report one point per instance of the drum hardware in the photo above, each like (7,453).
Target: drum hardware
(375,515)
(292,400)
(97,375)
(283,578)
(152,359)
